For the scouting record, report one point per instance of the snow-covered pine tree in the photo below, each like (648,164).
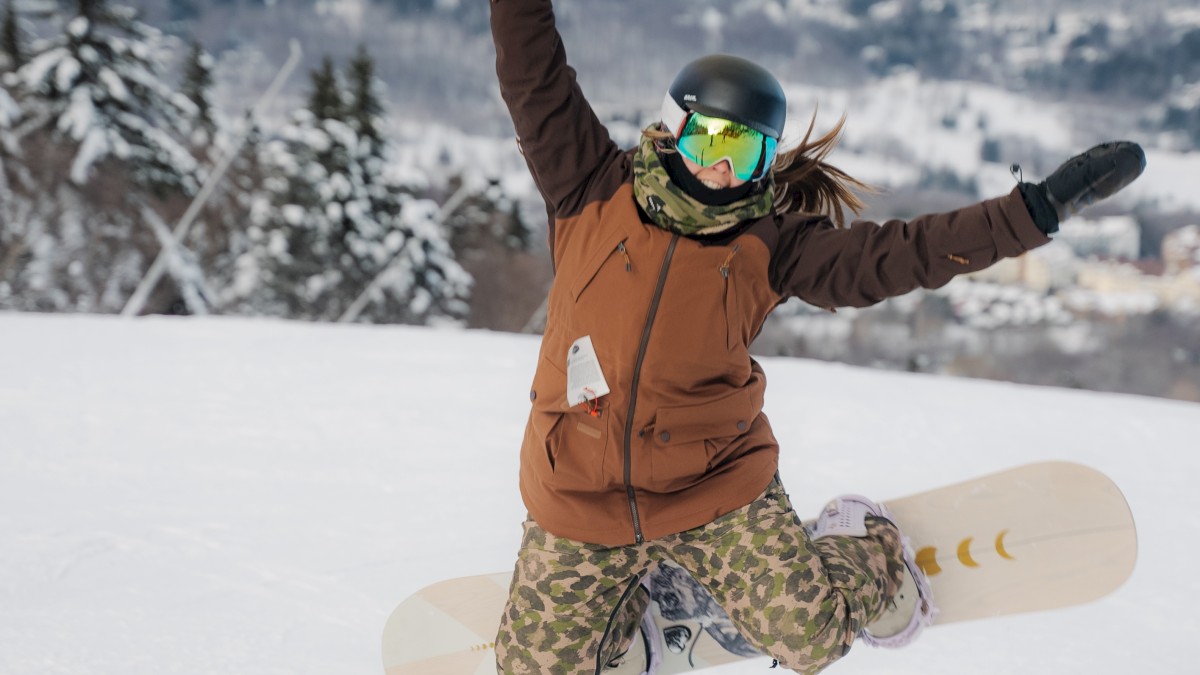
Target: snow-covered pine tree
(197,87)
(326,99)
(331,224)
(493,242)
(12,41)
(102,142)
(20,222)
(365,108)
(99,85)
(218,236)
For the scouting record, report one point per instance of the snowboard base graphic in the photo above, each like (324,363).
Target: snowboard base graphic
(1036,537)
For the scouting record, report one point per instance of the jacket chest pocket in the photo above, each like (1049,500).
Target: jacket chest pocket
(610,255)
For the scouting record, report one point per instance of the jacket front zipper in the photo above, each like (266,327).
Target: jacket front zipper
(633,389)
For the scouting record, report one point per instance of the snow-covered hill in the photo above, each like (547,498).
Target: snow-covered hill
(253,497)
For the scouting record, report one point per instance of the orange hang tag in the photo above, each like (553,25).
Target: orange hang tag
(585,379)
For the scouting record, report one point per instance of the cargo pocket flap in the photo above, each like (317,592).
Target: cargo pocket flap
(728,416)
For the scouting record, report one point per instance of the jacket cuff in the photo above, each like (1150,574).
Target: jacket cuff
(1040,209)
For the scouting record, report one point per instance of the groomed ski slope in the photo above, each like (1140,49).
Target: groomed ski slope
(253,497)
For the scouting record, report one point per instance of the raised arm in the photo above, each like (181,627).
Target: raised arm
(867,262)
(562,140)
(862,265)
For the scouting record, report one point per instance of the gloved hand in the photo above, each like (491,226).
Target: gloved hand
(1083,180)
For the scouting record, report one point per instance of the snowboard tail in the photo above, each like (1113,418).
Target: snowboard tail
(1036,537)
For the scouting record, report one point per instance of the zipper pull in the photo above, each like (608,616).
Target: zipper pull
(728,260)
(628,262)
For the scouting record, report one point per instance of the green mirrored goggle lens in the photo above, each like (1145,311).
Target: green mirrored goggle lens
(707,140)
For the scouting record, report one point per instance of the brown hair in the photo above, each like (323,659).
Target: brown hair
(804,182)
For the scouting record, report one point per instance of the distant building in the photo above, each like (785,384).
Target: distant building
(1175,282)
(1116,237)
(1171,290)
(1044,269)
(1181,250)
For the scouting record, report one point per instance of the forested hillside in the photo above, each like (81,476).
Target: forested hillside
(145,169)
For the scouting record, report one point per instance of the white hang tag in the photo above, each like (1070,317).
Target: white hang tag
(585,380)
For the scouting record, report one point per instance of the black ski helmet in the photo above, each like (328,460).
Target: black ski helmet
(728,87)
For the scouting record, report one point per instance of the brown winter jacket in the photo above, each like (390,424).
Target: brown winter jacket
(681,439)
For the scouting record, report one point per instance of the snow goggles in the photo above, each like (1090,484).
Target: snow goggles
(708,140)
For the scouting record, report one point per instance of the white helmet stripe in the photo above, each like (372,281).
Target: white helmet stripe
(673,116)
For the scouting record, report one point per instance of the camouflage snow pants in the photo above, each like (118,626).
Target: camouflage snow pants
(799,601)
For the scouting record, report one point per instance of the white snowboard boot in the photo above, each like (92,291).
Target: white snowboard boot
(912,609)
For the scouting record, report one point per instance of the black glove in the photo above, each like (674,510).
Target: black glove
(1081,181)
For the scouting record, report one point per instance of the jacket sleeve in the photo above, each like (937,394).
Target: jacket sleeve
(867,262)
(562,140)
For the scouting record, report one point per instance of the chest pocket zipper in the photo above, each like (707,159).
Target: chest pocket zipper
(597,263)
(625,254)
(732,318)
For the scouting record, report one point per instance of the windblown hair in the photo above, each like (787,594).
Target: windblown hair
(804,181)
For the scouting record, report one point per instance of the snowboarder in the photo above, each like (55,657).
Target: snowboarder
(646,440)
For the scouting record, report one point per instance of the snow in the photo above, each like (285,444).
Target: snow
(78,27)
(10,112)
(349,11)
(92,146)
(1169,181)
(66,74)
(116,88)
(36,71)
(904,125)
(254,497)
(884,11)
(293,214)
(936,123)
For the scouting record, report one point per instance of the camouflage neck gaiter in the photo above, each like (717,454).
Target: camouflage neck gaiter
(671,208)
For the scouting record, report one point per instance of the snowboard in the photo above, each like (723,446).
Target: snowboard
(1035,537)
